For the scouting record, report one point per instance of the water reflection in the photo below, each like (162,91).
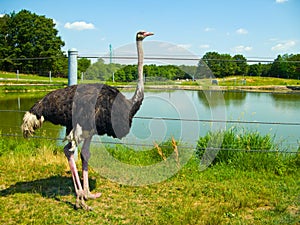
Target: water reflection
(12,107)
(212,99)
(286,101)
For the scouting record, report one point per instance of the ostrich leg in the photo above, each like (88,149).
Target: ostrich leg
(80,203)
(85,155)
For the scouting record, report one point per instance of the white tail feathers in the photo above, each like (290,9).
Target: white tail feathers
(30,124)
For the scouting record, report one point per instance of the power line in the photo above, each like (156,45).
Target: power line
(187,59)
(193,120)
(182,58)
(218,121)
(33,58)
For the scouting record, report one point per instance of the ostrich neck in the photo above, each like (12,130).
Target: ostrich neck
(139,92)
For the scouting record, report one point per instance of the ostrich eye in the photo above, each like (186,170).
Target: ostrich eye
(140,36)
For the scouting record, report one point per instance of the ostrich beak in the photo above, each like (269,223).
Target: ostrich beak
(146,34)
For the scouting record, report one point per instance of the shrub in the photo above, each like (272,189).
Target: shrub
(247,150)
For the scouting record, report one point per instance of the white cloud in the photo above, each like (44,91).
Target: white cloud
(186,46)
(241,48)
(209,29)
(1,15)
(241,31)
(284,46)
(79,25)
(281,1)
(175,49)
(204,46)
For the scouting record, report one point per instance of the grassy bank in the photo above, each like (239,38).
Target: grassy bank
(9,82)
(36,187)
(28,78)
(255,81)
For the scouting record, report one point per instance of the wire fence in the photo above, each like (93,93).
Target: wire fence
(192,120)
(183,146)
(163,57)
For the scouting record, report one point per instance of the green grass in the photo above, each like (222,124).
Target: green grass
(249,150)
(36,188)
(29,88)
(256,81)
(12,77)
(9,82)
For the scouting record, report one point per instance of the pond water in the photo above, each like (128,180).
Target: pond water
(184,115)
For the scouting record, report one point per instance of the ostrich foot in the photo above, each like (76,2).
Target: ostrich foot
(89,195)
(80,202)
(82,197)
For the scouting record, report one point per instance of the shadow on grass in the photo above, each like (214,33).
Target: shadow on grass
(52,187)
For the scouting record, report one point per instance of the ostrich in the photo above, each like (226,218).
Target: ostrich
(86,110)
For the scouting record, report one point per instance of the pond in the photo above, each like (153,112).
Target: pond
(184,115)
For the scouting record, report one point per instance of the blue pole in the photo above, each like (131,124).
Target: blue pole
(110,53)
(72,75)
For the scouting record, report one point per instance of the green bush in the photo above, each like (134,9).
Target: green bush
(247,150)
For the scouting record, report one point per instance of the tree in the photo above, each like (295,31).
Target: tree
(102,71)
(241,65)
(83,65)
(220,64)
(203,71)
(30,43)
(60,67)
(228,66)
(4,47)
(279,67)
(294,68)
(190,71)
(255,70)
(212,60)
(265,69)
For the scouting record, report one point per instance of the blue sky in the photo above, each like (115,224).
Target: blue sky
(254,28)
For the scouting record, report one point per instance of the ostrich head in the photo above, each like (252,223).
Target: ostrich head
(142,34)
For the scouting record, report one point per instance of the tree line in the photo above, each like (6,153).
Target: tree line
(128,73)
(30,43)
(222,65)
(211,65)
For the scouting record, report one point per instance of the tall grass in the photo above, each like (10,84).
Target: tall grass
(26,147)
(248,150)
(141,156)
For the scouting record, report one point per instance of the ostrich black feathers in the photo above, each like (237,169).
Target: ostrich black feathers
(96,108)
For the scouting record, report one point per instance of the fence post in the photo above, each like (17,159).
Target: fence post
(72,76)
(72,63)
